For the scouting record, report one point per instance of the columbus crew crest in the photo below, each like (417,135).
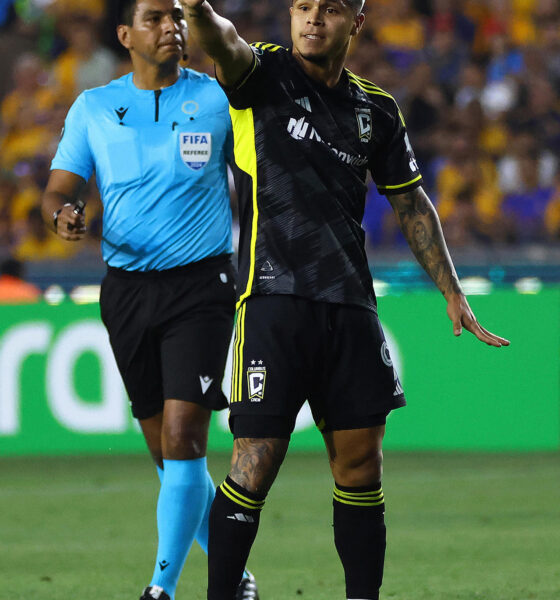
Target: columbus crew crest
(256,379)
(364,124)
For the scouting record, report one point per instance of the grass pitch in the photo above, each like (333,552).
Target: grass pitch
(460,527)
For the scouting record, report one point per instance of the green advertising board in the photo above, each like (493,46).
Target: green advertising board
(60,392)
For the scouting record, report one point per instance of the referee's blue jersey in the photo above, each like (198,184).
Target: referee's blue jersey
(159,159)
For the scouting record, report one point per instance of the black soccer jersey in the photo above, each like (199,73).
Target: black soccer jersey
(302,151)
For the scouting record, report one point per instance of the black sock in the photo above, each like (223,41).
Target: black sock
(359,536)
(234,521)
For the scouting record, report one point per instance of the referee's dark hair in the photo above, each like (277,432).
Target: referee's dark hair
(125,12)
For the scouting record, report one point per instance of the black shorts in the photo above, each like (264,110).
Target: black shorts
(289,349)
(170,332)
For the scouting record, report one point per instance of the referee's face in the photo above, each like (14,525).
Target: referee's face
(158,33)
(322,29)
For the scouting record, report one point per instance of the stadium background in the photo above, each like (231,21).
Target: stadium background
(479,85)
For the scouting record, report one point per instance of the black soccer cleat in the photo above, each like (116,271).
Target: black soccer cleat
(247,589)
(154,592)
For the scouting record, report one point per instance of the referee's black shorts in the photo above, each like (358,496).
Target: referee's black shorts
(170,332)
(289,349)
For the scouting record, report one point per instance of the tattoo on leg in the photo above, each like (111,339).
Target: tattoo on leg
(255,462)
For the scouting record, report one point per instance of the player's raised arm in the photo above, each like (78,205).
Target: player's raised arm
(219,39)
(421,227)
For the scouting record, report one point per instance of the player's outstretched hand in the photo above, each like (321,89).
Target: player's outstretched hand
(70,225)
(461,315)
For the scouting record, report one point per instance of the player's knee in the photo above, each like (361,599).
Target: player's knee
(360,469)
(183,441)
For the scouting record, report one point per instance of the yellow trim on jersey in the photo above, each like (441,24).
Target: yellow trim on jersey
(237,367)
(371,88)
(235,363)
(401,185)
(266,46)
(240,499)
(246,159)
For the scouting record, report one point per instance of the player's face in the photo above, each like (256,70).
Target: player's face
(158,33)
(322,29)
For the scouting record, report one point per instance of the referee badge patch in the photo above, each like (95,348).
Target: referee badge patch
(256,378)
(196,149)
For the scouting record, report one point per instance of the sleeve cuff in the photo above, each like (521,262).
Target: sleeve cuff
(400,188)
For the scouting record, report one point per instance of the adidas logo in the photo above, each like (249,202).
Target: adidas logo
(241,517)
(304,103)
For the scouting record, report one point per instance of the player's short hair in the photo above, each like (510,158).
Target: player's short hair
(125,12)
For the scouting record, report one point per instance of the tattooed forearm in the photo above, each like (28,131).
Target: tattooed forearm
(422,229)
(255,462)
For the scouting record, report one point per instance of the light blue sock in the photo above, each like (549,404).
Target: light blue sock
(202,533)
(182,503)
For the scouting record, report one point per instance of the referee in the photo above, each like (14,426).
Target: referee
(306,132)
(158,140)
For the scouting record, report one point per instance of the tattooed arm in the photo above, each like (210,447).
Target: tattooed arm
(421,227)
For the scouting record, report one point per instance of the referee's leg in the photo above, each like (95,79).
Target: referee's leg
(185,491)
(356,457)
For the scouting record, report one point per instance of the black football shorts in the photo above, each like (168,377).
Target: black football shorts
(170,332)
(289,349)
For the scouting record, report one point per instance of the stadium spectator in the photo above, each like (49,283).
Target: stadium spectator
(13,288)
(85,64)
(525,207)
(25,112)
(552,213)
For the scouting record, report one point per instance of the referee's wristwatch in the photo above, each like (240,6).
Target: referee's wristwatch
(55,215)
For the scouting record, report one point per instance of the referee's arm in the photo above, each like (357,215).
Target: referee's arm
(218,37)
(58,203)
(421,227)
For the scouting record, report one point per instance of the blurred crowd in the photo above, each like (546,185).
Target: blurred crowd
(477,80)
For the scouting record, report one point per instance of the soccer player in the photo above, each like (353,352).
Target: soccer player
(305,133)
(158,140)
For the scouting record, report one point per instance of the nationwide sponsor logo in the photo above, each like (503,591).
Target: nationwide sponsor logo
(256,379)
(363,115)
(301,129)
(196,149)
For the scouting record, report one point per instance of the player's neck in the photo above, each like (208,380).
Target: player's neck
(154,77)
(327,71)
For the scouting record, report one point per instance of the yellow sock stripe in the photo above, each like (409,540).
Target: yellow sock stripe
(240,499)
(358,495)
(361,503)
